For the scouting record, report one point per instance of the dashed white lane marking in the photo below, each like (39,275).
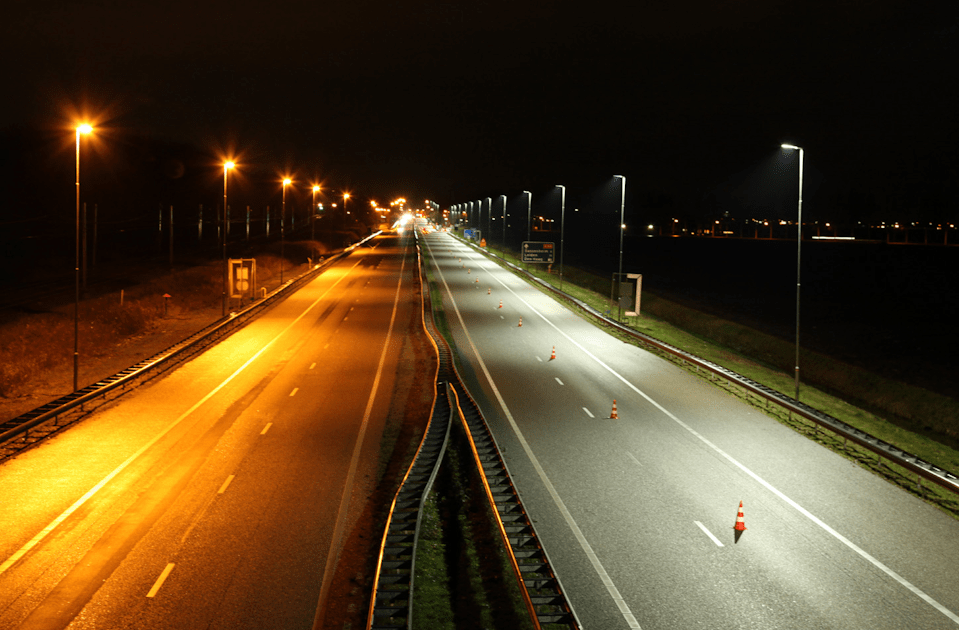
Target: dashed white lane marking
(588,412)
(313,365)
(557,380)
(832,532)
(129,460)
(226,484)
(633,457)
(709,533)
(266,428)
(293,393)
(160,580)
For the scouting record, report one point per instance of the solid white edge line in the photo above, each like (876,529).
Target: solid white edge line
(577,532)
(161,580)
(333,557)
(226,484)
(709,533)
(862,553)
(116,471)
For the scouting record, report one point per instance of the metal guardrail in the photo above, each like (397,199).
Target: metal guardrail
(539,586)
(391,603)
(921,468)
(85,399)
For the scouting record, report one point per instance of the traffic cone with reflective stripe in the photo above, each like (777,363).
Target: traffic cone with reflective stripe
(740,523)
(613,415)
(552,355)
(488,290)
(469,271)
(501,303)
(477,279)
(520,323)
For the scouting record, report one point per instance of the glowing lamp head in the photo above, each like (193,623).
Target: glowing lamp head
(84,128)
(346,196)
(790,146)
(228,165)
(316,189)
(287,181)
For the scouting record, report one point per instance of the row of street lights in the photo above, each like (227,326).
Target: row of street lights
(622,227)
(86,129)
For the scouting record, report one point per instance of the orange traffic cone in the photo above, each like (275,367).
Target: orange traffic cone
(552,355)
(740,523)
(613,415)
(501,303)
(477,279)
(520,323)
(488,290)
(469,271)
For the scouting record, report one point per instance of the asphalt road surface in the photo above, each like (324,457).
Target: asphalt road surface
(637,513)
(216,496)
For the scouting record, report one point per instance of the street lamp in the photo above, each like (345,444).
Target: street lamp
(489,218)
(562,230)
(529,215)
(286,182)
(316,189)
(226,169)
(81,129)
(793,147)
(503,197)
(622,228)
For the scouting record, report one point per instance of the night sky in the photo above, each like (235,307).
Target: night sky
(456,101)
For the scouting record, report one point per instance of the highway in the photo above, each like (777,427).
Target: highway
(218,495)
(637,513)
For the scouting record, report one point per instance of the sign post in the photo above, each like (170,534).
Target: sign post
(242,277)
(538,252)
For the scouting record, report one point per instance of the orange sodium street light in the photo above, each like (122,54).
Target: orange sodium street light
(83,129)
(227,167)
(316,189)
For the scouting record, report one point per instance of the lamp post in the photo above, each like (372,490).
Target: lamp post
(489,218)
(503,197)
(286,182)
(529,216)
(81,129)
(622,228)
(226,169)
(316,189)
(562,230)
(793,147)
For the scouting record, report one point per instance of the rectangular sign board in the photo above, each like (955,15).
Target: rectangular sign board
(538,252)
